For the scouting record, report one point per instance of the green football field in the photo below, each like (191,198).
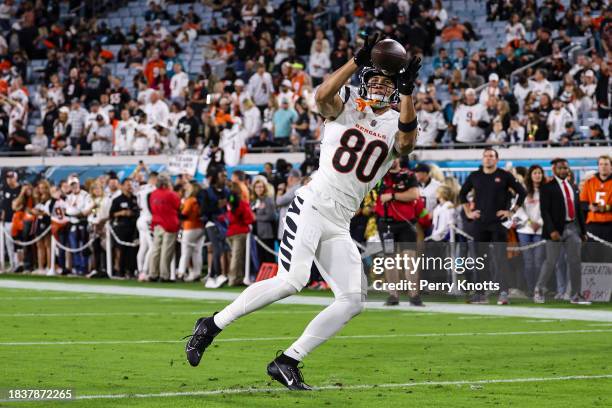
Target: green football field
(126,351)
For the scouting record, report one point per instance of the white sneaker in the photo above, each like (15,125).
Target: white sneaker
(247,281)
(191,278)
(538,297)
(50,272)
(210,283)
(220,281)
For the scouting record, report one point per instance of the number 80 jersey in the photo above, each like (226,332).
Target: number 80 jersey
(356,151)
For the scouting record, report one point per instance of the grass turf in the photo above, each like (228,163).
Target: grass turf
(392,354)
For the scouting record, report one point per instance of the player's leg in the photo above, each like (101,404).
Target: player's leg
(345,277)
(297,251)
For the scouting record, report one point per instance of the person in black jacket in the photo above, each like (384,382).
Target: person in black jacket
(563,227)
(493,192)
(124,212)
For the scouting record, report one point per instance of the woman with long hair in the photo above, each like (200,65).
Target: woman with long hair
(265,216)
(529,229)
(193,235)
(41,195)
(22,226)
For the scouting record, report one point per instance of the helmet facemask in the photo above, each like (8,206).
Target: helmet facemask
(378,88)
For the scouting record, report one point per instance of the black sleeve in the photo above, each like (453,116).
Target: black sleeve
(465,189)
(483,124)
(545,204)
(518,188)
(135,208)
(114,208)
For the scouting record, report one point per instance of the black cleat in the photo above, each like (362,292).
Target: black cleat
(201,338)
(287,374)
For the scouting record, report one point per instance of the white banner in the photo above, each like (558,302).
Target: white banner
(597,281)
(184,163)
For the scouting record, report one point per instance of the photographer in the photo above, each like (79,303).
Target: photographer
(397,217)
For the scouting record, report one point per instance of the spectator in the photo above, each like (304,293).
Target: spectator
(164,205)
(240,220)
(571,135)
(492,196)
(213,207)
(100,136)
(529,226)
(428,186)
(39,142)
(124,213)
(443,214)
(178,83)
(563,228)
(431,122)
(515,31)
(143,224)
(260,87)
(264,209)
(78,207)
(470,119)
(557,118)
(282,120)
(192,240)
(596,196)
(540,84)
(10,191)
(124,133)
(319,63)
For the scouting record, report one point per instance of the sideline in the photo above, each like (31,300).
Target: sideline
(584,314)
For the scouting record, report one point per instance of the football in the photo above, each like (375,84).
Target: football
(389,56)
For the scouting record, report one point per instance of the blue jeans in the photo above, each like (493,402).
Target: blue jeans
(532,259)
(77,237)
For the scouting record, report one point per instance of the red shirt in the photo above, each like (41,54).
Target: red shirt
(398,210)
(165,204)
(240,219)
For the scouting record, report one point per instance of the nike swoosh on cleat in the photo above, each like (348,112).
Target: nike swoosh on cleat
(284,376)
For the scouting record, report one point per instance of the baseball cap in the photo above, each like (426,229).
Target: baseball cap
(569,124)
(493,77)
(10,174)
(286,83)
(470,91)
(239,82)
(73,179)
(64,109)
(589,73)
(422,168)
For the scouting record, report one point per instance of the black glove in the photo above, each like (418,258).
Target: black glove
(363,56)
(407,77)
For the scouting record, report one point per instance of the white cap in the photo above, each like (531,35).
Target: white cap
(286,83)
(73,180)
(493,77)
(470,91)
(64,109)
(589,73)
(239,82)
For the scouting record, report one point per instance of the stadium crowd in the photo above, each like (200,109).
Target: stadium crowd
(273,59)
(159,225)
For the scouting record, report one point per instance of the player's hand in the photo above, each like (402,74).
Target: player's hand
(363,55)
(555,236)
(408,76)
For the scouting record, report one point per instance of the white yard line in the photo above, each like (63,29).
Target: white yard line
(342,337)
(348,387)
(103,314)
(584,313)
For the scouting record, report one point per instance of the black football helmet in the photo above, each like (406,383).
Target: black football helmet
(364,92)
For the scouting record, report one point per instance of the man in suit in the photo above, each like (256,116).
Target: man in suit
(563,226)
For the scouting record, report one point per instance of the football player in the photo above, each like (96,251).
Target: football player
(361,138)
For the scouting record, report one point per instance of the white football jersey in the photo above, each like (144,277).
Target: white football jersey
(430,123)
(356,151)
(462,119)
(142,196)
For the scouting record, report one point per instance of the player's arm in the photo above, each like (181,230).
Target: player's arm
(328,101)
(405,139)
